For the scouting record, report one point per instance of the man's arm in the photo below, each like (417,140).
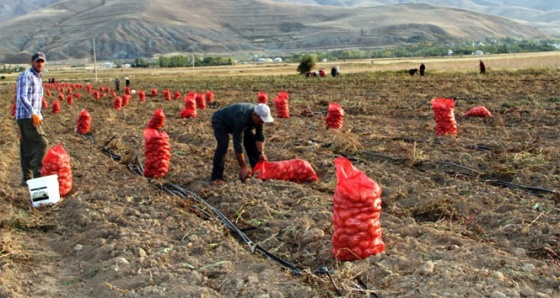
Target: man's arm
(22,92)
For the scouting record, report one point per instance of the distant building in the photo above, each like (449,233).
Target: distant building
(277,60)
(449,53)
(479,52)
(108,65)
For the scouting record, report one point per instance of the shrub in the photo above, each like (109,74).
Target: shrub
(307,63)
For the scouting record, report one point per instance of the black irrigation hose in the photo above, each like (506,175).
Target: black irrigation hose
(468,146)
(178,191)
(477,174)
(363,285)
(85,136)
(254,247)
(327,271)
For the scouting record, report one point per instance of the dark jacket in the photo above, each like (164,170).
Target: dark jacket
(237,118)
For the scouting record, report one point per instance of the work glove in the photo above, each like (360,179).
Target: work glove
(36,120)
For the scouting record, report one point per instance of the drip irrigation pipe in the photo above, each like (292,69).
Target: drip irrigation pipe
(178,191)
(484,178)
(483,147)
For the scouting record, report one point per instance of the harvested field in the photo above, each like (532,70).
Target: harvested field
(471,215)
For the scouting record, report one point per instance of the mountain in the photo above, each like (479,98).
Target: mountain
(127,29)
(542,14)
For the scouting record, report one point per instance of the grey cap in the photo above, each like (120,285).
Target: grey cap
(38,56)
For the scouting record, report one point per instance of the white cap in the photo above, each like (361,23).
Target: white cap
(264,112)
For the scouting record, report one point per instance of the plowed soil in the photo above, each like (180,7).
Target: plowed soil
(471,215)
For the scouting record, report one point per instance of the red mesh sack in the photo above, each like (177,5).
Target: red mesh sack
(209,96)
(154,92)
(14,108)
(190,107)
(117,103)
(281,104)
(125,100)
(356,211)
(88,88)
(96,95)
(77,95)
(296,170)
(61,96)
(70,99)
(157,153)
(57,161)
(55,107)
(176,95)
(335,116)
(167,94)
(444,116)
(200,101)
(157,120)
(48,92)
(141,95)
(83,124)
(44,103)
(127,90)
(479,111)
(262,97)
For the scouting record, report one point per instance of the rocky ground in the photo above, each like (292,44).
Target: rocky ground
(475,215)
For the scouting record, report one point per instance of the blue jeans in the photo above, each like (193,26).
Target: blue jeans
(221,133)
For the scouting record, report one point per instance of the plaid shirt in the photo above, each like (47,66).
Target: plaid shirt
(29,94)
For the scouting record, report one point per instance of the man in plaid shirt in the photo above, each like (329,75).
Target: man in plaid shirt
(33,141)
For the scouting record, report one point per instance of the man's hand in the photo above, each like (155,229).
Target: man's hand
(36,120)
(263,157)
(244,173)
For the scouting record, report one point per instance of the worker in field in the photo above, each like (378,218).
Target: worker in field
(33,140)
(335,71)
(244,121)
(117,83)
(422,69)
(482,67)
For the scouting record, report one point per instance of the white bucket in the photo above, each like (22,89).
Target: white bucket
(44,190)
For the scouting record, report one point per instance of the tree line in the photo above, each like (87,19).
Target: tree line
(423,49)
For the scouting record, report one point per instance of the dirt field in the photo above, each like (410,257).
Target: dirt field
(471,215)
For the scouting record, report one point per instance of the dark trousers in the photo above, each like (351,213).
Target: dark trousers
(33,147)
(221,132)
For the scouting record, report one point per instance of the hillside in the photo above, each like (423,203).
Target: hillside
(127,29)
(542,14)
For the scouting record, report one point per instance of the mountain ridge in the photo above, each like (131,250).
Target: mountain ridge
(127,29)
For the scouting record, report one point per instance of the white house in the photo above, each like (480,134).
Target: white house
(108,65)
(479,52)
(277,60)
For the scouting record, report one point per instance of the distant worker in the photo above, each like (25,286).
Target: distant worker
(244,121)
(482,67)
(412,71)
(127,81)
(33,140)
(422,69)
(117,83)
(334,71)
